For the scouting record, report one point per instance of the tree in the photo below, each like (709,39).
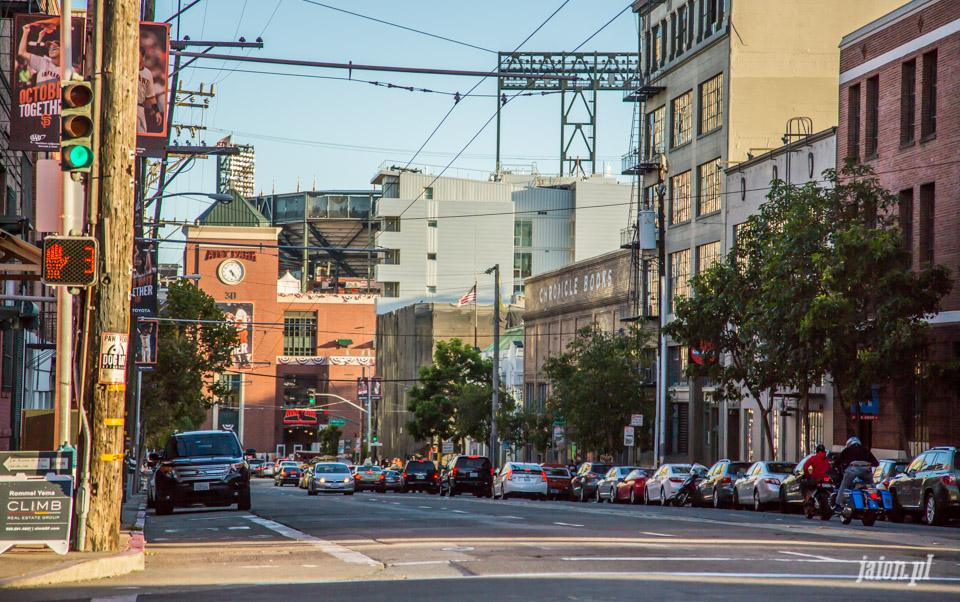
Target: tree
(596,386)
(190,354)
(330,441)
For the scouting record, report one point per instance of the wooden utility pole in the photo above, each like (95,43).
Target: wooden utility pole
(117,146)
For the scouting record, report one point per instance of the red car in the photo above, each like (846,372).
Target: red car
(558,481)
(630,489)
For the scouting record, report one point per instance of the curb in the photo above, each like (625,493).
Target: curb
(128,561)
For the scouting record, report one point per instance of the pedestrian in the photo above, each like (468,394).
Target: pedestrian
(855,461)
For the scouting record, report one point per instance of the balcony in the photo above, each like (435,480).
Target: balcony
(633,163)
(629,238)
(640,90)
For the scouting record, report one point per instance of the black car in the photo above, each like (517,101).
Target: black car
(473,474)
(286,473)
(201,467)
(790,494)
(583,486)
(927,490)
(717,487)
(419,475)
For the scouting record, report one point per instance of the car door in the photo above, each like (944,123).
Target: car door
(908,485)
(792,483)
(708,484)
(932,472)
(609,482)
(653,484)
(744,487)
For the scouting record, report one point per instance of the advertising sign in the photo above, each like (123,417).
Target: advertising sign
(35,99)
(148,331)
(35,463)
(870,410)
(628,436)
(241,316)
(557,433)
(703,354)
(113,358)
(300,417)
(143,301)
(376,388)
(361,388)
(340,446)
(152,93)
(36,511)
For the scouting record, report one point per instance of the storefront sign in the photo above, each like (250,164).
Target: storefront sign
(568,289)
(300,417)
(113,358)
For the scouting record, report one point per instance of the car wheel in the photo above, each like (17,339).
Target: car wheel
(932,511)
(784,509)
(583,498)
(633,496)
(663,497)
(896,510)
(597,498)
(452,491)
(504,495)
(243,500)
(757,504)
(716,499)
(736,501)
(646,497)
(347,493)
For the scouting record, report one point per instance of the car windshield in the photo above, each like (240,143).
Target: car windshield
(370,468)
(780,467)
(898,468)
(331,469)
(738,467)
(680,469)
(625,470)
(420,466)
(211,444)
(530,467)
(556,472)
(289,464)
(600,468)
(391,473)
(473,463)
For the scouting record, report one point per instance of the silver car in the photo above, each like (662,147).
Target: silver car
(760,485)
(331,477)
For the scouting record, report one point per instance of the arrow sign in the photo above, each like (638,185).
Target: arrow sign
(35,463)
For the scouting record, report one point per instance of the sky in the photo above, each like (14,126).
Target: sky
(308,124)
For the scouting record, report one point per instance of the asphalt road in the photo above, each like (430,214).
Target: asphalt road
(397,547)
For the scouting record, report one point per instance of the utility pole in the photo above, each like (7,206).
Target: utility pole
(117,150)
(494,456)
(660,429)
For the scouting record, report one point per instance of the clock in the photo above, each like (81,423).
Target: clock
(230,271)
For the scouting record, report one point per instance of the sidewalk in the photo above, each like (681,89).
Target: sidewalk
(25,566)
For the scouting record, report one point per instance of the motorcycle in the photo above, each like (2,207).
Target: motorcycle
(866,503)
(688,490)
(818,502)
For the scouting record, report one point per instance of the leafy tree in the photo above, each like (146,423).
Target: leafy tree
(596,386)
(330,440)
(178,394)
(538,429)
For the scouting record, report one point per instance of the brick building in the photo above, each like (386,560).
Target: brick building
(291,342)
(900,113)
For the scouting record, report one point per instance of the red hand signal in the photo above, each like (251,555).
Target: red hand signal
(56,260)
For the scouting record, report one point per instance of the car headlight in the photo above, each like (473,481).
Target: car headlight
(346,479)
(323,479)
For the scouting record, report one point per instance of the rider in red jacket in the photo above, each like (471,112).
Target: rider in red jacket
(814,470)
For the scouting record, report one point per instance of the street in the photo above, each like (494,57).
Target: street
(391,546)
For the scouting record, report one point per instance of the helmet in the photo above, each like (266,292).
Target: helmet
(821,448)
(852,441)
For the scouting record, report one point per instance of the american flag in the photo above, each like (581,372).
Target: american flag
(469,297)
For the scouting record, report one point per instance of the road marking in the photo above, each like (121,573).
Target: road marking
(643,558)
(567,525)
(426,507)
(419,562)
(457,549)
(335,550)
(657,534)
(237,528)
(127,598)
(811,558)
(460,512)
(513,517)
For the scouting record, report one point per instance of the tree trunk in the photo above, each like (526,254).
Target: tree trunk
(118,139)
(765,416)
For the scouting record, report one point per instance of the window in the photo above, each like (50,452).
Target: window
(431,256)
(391,289)
(296,389)
(522,265)
(653,287)
(431,290)
(711,104)
(528,398)
(655,131)
(853,122)
(906,224)
(709,176)
(682,26)
(679,275)
(431,223)
(680,198)
(707,255)
(657,47)
(927,218)
(391,224)
(928,98)
(523,233)
(908,101)
(428,193)
(873,117)
(299,333)
(681,128)
(676,366)
(392,257)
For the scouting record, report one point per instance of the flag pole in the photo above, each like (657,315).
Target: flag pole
(475,303)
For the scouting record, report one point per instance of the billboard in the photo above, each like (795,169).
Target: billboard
(35,101)
(152,89)
(241,316)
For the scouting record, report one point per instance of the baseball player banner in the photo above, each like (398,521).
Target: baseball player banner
(148,334)
(152,89)
(241,316)
(35,102)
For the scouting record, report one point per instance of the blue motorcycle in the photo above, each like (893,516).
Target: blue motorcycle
(865,503)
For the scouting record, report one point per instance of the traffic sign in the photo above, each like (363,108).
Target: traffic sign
(636,420)
(557,432)
(628,436)
(448,447)
(35,463)
(376,444)
(337,422)
(69,261)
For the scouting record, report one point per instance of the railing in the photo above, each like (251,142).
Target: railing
(628,236)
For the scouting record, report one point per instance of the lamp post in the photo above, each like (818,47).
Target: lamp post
(495,270)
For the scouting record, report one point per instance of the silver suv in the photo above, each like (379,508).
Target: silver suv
(927,490)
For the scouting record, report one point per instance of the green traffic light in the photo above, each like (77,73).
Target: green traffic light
(79,156)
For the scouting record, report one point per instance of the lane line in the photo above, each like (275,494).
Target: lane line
(418,562)
(810,558)
(568,525)
(126,598)
(335,550)
(657,534)
(461,512)
(644,558)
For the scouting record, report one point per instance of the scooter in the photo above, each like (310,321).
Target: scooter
(688,490)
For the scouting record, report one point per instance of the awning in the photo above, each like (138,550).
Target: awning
(29,256)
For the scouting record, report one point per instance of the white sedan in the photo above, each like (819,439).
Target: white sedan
(665,483)
(760,485)
(516,478)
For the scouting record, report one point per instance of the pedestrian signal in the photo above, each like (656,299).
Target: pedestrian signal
(69,261)
(76,126)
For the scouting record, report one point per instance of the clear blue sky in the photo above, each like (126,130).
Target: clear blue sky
(339,132)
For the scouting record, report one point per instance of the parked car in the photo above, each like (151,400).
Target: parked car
(790,497)
(583,485)
(520,479)
(887,470)
(330,477)
(665,483)
(927,490)
(255,464)
(760,485)
(368,477)
(420,475)
(558,481)
(630,489)
(390,480)
(717,487)
(607,486)
(472,474)
(287,472)
(201,467)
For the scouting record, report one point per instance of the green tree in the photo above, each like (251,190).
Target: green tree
(330,440)
(596,386)
(190,355)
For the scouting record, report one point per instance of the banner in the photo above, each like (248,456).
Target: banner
(35,101)
(152,89)
(143,302)
(148,333)
(241,315)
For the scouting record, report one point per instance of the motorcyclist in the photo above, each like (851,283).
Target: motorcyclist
(814,470)
(855,461)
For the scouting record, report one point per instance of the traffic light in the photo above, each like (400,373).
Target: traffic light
(374,436)
(69,261)
(312,396)
(76,126)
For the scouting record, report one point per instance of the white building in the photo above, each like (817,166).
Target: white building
(511,360)
(747,185)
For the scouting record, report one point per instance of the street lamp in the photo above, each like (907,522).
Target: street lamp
(495,270)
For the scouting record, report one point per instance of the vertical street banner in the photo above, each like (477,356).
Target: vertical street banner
(143,302)
(35,98)
(376,388)
(152,89)
(148,332)
(361,388)
(241,316)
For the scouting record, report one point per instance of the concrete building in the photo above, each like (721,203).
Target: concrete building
(713,94)
(796,430)
(900,114)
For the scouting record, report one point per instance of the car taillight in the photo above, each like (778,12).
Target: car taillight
(727,480)
(873,496)
(382,477)
(950,479)
(676,480)
(491,472)
(772,481)
(543,475)
(826,479)
(454,472)
(404,475)
(509,475)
